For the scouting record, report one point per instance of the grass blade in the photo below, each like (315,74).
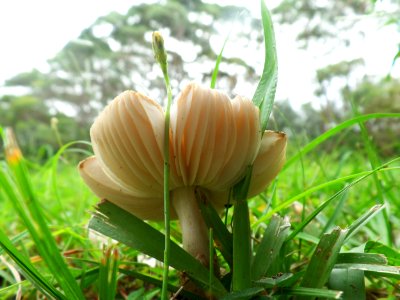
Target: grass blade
(392,256)
(351,282)
(124,227)
(310,293)
(268,250)
(287,203)
(378,270)
(361,258)
(22,196)
(217,62)
(221,234)
(28,270)
(241,278)
(323,259)
(356,225)
(108,271)
(265,92)
(333,131)
(244,294)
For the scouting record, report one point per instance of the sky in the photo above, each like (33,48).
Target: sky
(33,31)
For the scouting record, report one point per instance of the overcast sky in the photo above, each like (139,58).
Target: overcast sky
(33,31)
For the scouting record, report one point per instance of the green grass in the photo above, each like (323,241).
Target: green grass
(341,196)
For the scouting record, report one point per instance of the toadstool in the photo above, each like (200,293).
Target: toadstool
(212,141)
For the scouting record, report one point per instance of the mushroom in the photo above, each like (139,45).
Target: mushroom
(212,141)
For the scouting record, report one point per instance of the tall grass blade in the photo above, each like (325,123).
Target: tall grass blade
(27,269)
(374,162)
(108,272)
(242,252)
(265,92)
(217,62)
(333,131)
(22,196)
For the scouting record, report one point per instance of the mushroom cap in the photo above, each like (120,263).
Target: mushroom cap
(212,141)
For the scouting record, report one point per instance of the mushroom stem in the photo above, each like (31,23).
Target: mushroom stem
(194,231)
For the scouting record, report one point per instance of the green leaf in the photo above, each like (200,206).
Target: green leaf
(351,282)
(281,280)
(323,259)
(241,278)
(392,256)
(221,234)
(309,293)
(361,258)
(28,270)
(217,62)
(108,271)
(265,92)
(20,192)
(156,282)
(287,203)
(268,250)
(244,294)
(124,227)
(333,131)
(356,225)
(377,270)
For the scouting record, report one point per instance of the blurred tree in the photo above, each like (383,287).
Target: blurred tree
(322,19)
(31,120)
(114,54)
(331,80)
(379,96)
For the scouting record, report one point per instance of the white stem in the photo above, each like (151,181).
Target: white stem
(194,230)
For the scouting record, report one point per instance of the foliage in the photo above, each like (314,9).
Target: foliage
(382,96)
(321,21)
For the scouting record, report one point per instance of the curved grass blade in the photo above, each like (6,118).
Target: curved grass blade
(356,225)
(392,255)
(333,131)
(28,270)
(287,203)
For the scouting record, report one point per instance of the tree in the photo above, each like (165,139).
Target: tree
(379,96)
(114,54)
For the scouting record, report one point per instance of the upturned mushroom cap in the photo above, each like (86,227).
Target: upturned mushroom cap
(212,141)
